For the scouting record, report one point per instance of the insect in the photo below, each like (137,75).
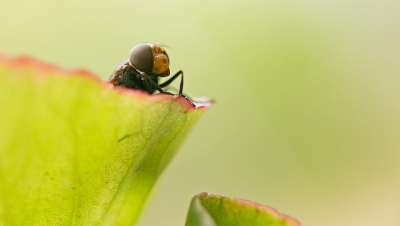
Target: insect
(146,63)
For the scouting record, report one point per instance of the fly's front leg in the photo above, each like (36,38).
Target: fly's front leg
(169,81)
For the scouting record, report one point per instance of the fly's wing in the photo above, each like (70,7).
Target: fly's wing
(118,72)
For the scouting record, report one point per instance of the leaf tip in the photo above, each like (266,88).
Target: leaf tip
(227,209)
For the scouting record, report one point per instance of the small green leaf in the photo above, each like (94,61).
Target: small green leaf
(75,151)
(210,210)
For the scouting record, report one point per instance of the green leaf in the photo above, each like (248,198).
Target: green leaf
(210,210)
(75,151)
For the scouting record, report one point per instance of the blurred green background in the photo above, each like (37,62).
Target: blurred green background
(306,118)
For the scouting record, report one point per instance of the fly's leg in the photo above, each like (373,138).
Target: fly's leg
(149,80)
(166,83)
(169,81)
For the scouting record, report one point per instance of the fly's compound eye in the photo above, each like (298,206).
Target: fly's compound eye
(141,57)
